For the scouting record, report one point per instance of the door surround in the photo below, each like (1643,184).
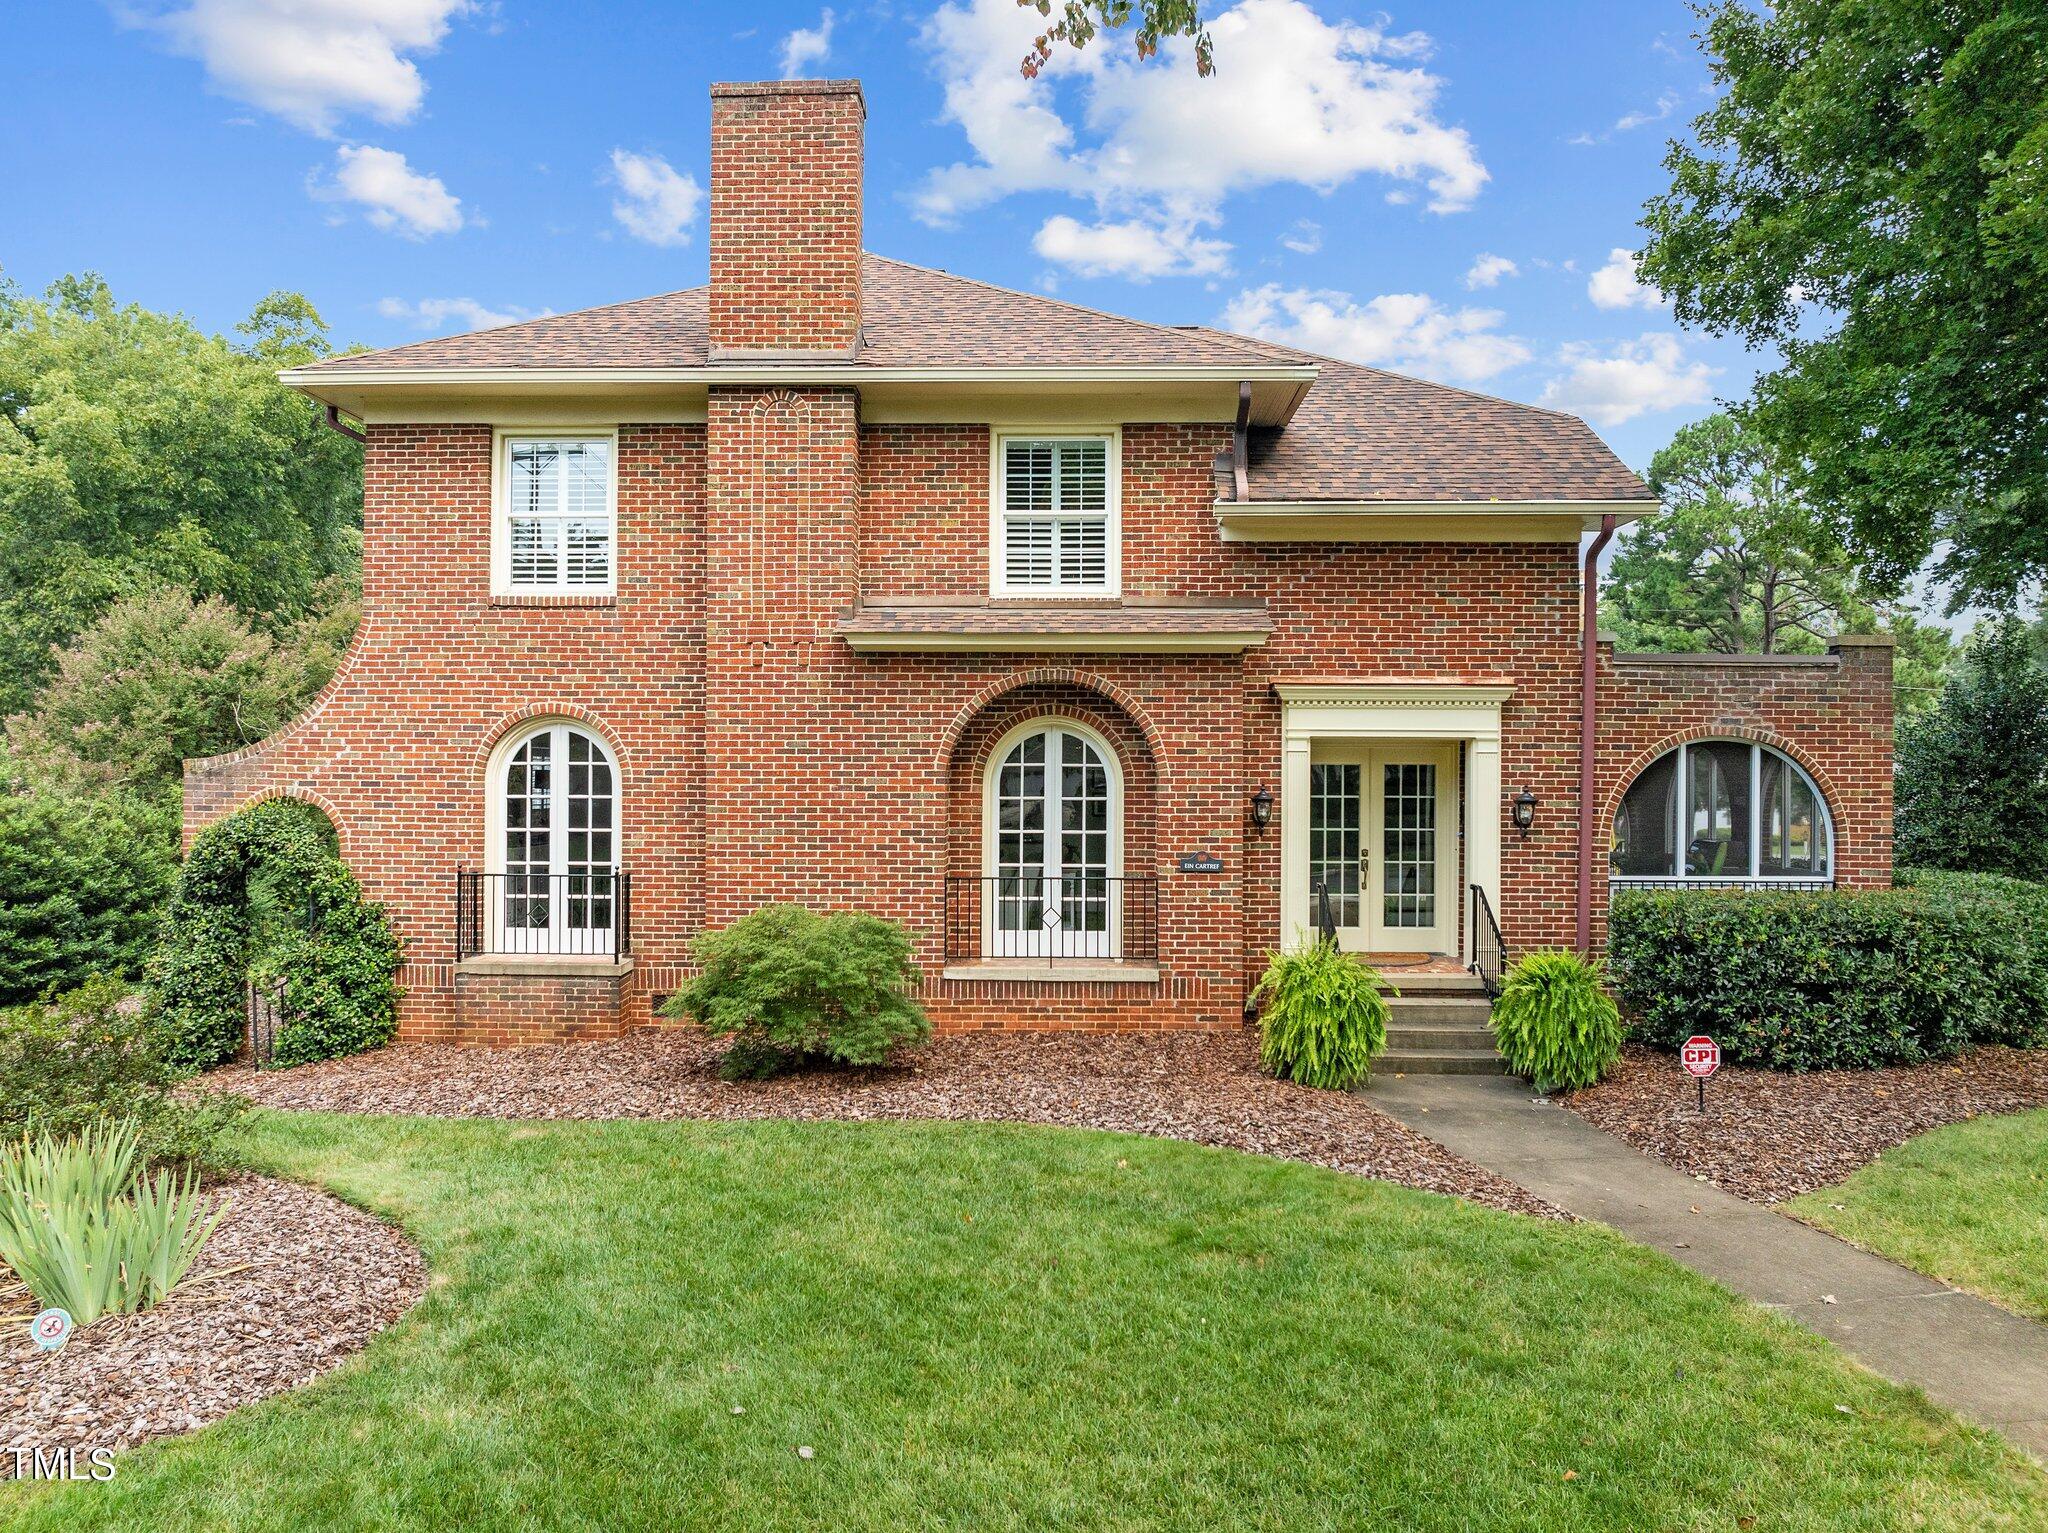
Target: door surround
(1451,712)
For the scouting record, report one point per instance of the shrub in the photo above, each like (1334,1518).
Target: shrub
(1322,1017)
(788,985)
(339,967)
(1555,1023)
(1824,980)
(90,1057)
(87,1230)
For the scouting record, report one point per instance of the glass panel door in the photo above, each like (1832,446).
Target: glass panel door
(559,884)
(1052,894)
(1335,848)
(1412,904)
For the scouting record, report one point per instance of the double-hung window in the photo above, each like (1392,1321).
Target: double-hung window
(555,533)
(1056,508)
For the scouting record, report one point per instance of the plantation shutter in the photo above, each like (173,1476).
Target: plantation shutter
(559,516)
(1056,514)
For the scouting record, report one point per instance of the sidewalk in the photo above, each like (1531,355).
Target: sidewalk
(1971,1356)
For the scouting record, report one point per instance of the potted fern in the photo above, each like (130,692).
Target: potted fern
(1554,1022)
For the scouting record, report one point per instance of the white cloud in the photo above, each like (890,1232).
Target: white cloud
(1132,248)
(1616,286)
(1667,103)
(1305,238)
(1630,378)
(445,314)
(311,62)
(1488,269)
(659,203)
(807,46)
(1408,332)
(394,197)
(1299,100)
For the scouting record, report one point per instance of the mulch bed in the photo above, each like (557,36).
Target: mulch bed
(292,1282)
(1200,1087)
(1769,1135)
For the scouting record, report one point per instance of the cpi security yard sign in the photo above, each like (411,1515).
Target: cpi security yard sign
(1701,1057)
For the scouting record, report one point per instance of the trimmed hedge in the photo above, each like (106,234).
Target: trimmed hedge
(1810,980)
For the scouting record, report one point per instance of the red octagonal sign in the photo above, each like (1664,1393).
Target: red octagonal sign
(1700,1055)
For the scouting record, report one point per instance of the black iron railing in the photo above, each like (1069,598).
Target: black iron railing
(551,915)
(263,1009)
(1085,917)
(1489,952)
(1326,916)
(1721,883)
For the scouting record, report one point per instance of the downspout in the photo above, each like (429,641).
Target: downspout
(334,424)
(1240,440)
(1589,664)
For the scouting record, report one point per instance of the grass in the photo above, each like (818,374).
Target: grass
(991,1327)
(1967,1204)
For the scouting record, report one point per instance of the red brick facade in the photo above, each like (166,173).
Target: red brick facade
(760,757)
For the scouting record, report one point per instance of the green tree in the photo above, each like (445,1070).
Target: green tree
(1738,563)
(1076,23)
(1870,194)
(137,451)
(161,678)
(1972,786)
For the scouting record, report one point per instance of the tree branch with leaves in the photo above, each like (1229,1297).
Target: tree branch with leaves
(1077,22)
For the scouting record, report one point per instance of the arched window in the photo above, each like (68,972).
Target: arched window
(1053,844)
(555,842)
(1723,811)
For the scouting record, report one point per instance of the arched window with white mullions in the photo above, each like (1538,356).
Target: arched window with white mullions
(1052,844)
(1723,812)
(554,854)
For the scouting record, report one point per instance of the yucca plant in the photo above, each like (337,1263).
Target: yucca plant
(88,1234)
(1554,1021)
(1322,1017)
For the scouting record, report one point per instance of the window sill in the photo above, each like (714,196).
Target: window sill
(1065,971)
(545,966)
(554,599)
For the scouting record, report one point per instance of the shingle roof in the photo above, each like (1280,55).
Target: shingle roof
(910,317)
(1366,435)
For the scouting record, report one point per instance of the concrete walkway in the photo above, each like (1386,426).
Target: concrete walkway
(1973,1357)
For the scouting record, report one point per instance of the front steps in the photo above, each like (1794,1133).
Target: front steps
(1438,1027)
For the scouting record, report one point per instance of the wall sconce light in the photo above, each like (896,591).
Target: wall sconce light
(1525,811)
(1262,808)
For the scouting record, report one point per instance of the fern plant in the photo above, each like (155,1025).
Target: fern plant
(87,1233)
(1322,1017)
(1555,1023)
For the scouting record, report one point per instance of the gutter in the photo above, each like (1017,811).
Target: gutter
(1589,663)
(1240,441)
(334,424)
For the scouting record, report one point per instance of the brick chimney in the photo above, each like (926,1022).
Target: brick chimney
(785,219)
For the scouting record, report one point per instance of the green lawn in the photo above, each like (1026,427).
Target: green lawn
(1967,1204)
(988,1327)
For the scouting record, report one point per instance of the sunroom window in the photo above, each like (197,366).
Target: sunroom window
(557,531)
(1056,515)
(1722,811)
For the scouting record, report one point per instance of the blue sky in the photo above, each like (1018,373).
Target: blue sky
(419,166)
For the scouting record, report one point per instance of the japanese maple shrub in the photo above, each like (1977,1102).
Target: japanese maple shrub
(1322,1017)
(790,986)
(1555,1023)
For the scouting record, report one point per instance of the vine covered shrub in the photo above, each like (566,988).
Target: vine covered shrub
(1322,1017)
(1826,980)
(339,966)
(90,1057)
(1554,1022)
(788,986)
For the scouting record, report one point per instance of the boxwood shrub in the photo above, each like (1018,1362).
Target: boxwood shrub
(1798,980)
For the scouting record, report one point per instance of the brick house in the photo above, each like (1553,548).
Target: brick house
(1104,655)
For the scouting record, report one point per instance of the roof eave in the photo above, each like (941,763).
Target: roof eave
(1433,521)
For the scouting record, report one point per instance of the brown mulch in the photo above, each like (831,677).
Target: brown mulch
(1769,1135)
(1200,1087)
(292,1283)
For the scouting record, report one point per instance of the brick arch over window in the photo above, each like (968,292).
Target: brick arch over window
(1617,790)
(972,741)
(574,713)
(1102,690)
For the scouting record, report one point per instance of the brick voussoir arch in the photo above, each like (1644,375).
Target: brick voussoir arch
(344,670)
(1611,804)
(1054,675)
(302,794)
(506,724)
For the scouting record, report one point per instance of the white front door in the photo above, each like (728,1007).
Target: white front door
(559,855)
(1382,845)
(1054,850)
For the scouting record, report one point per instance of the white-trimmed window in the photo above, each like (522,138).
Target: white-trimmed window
(1723,812)
(557,496)
(1056,529)
(1052,844)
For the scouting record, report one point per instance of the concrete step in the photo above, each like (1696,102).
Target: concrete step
(1427,1038)
(1469,1009)
(1433,984)
(1440,1062)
